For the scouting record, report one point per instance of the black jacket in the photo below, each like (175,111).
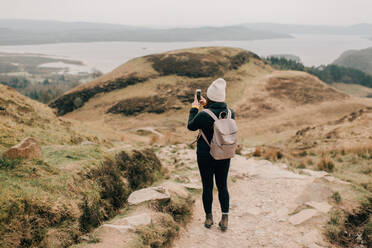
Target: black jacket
(205,122)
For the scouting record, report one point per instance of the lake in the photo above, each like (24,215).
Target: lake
(105,56)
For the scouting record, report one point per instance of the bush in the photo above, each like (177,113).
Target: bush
(179,208)
(6,163)
(337,197)
(141,169)
(326,164)
(159,234)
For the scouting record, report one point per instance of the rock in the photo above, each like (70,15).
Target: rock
(302,216)
(120,228)
(193,186)
(316,174)
(253,211)
(312,237)
(323,207)
(137,220)
(148,194)
(2,109)
(335,180)
(313,245)
(87,143)
(28,148)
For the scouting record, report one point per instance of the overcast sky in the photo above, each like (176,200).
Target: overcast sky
(192,12)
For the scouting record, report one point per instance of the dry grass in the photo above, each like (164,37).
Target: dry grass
(326,164)
(174,213)
(269,153)
(44,204)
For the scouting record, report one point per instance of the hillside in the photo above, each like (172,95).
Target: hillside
(81,193)
(26,32)
(358,59)
(22,117)
(363,29)
(158,89)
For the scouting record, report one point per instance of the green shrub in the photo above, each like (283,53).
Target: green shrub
(6,163)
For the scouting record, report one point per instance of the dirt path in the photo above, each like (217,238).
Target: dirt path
(270,207)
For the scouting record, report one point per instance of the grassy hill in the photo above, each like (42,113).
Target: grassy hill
(358,59)
(156,91)
(289,116)
(53,200)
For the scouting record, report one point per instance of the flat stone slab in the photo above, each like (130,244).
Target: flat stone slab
(254,211)
(148,194)
(316,174)
(192,186)
(136,220)
(335,180)
(312,237)
(119,228)
(302,216)
(323,207)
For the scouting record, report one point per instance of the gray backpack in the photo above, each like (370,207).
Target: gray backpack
(225,136)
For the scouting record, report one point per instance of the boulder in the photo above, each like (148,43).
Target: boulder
(29,148)
(87,143)
(303,216)
(148,194)
(323,207)
(134,221)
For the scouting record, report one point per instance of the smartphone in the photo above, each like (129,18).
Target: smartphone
(198,94)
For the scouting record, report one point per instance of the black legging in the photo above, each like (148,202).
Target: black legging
(220,168)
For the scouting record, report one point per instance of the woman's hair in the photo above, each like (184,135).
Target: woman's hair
(209,102)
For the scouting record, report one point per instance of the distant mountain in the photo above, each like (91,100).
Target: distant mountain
(22,32)
(358,59)
(363,29)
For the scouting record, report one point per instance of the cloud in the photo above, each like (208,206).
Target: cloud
(192,12)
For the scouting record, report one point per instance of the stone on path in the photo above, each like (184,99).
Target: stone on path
(312,238)
(87,143)
(192,186)
(148,194)
(28,148)
(119,228)
(136,220)
(335,180)
(302,216)
(316,174)
(323,207)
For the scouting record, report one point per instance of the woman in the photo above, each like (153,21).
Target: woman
(208,166)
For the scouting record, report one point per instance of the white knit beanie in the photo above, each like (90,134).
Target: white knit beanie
(216,91)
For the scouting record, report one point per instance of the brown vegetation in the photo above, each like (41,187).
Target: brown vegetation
(71,101)
(43,210)
(196,65)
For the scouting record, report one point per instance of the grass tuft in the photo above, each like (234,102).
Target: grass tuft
(326,164)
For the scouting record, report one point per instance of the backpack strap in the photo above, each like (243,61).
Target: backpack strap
(229,113)
(211,114)
(204,137)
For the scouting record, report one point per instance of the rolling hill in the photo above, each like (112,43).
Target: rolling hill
(155,92)
(289,117)
(364,29)
(21,117)
(358,59)
(25,32)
